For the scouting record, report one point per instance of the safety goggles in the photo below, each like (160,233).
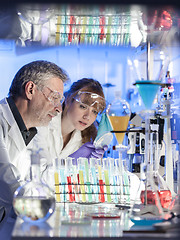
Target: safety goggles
(91,100)
(55,97)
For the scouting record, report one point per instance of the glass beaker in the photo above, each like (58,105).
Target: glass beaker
(34,201)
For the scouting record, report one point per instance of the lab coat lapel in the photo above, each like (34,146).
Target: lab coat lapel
(16,136)
(13,132)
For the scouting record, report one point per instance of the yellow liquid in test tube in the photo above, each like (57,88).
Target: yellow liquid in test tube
(81,179)
(56,179)
(119,123)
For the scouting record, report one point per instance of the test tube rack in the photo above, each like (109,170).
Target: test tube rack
(87,184)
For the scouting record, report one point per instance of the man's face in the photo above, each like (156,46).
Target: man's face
(46,103)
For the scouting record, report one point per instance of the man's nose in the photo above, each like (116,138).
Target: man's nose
(58,108)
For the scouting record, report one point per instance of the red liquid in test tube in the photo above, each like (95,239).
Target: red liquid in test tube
(102,24)
(71,196)
(101,193)
(72,22)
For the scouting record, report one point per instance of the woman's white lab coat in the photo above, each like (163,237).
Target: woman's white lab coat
(51,141)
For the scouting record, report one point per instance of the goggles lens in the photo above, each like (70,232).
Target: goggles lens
(92,100)
(54,97)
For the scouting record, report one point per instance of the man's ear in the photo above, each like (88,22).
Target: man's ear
(29,89)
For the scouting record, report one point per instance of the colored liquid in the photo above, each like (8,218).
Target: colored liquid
(165,197)
(101,191)
(119,123)
(148,93)
(71,196)
(57,190)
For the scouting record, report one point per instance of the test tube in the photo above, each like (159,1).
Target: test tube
(113,181)
(56,179)
(81,166)
(63,179)
(101,183)
(126,182)
(75,179)
(68,166)
(119,181)
(106,177)
(89,191)
(94,179)
(58,30)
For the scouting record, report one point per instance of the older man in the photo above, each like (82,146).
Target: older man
(34,98)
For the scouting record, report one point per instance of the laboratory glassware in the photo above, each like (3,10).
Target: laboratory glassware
(34,202)
(153,197)
(118,113)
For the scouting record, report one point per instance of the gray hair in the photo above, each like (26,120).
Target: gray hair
(38,72)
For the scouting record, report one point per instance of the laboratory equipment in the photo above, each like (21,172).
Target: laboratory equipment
(103,140)
(34,202)
(34,17)
(165,103)
(118,113)
(89,181)
(154,194)
(104,135)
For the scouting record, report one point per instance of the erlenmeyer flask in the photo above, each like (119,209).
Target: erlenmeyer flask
(34,202)
(146,207)
(153,197)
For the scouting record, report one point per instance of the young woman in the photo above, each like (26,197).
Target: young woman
(72,132)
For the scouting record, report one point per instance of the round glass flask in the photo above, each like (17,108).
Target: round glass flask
(34,201)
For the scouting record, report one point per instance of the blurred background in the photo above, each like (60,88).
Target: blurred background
(107,41)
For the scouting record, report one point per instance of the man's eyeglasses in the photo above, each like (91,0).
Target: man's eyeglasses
(54,97)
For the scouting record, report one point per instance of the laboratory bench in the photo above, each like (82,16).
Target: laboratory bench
(90,221)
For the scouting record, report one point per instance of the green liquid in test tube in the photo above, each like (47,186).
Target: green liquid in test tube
(88,181)
(108,35)
(126,182)
(96,31)
(106,175)
(90,30)
(83,32)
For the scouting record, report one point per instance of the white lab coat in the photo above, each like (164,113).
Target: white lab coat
(13,151)
(51,141)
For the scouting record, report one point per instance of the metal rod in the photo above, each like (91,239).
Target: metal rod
(148,60)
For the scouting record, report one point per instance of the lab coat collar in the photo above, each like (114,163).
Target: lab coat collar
(14,131)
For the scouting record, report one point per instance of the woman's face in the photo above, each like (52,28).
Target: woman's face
(81,115)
